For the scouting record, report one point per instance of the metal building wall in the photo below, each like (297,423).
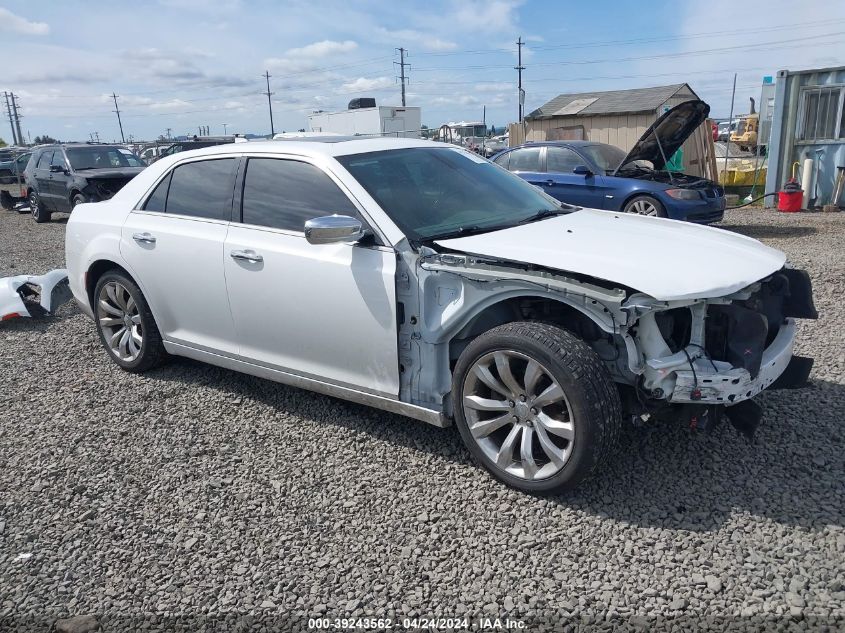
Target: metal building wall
(785,148)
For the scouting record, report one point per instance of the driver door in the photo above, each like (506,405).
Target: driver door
(324,311)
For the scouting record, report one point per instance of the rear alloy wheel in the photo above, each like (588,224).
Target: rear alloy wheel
(126,325)
(535,405)
(39,213)
(78,198)
(645,205)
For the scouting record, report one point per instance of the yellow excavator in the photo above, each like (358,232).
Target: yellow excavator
(745,134)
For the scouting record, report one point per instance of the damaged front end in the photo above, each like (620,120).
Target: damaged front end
(713,354)
(691,358)
(33,296)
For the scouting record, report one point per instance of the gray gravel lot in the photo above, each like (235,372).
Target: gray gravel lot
(193,492)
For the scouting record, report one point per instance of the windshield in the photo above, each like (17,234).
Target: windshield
(435,192)
(97,157)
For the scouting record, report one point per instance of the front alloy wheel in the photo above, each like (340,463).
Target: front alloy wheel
(519,415)
(535,406)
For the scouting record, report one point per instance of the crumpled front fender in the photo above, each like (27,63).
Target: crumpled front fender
(52,292)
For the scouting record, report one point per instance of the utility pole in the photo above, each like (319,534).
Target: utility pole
(17,118)
(269,102)
(168,132)
(11,120)
(117,111)
(519,68)
(402,75)
(224,129)
(728,144)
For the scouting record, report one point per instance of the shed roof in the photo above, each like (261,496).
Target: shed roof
(610,102)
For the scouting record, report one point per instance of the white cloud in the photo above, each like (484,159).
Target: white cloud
(307,58)
(426,41)
(483,16)
(363,84)
(318,50)
(17,24)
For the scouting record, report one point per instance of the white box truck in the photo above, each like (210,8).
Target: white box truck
(400,121)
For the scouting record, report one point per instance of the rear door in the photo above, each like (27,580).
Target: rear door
(526,162)
(42,175)
(584,190)
(324,311)
(174,247)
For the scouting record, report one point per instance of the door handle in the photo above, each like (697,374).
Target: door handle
(247,256)
(144,238)
(550,183)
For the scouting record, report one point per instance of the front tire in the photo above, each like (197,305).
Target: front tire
(645,205)
(126,326)
(535,406)
(39,213)
(78,198)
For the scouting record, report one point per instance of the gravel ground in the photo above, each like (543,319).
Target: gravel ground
(192,493)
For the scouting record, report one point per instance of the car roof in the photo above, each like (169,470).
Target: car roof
(558,144)
(319,146)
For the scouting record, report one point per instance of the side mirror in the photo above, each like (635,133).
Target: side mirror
(333,228)
(582,170)
(57,169)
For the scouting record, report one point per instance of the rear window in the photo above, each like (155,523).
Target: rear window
(527,159)
(200,189)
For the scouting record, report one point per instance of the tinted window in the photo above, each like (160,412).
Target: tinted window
(283,194)
(527,159)
(100,157)
(44,159)
(503,160)
(59,159)
(156,202)
(202,189)
(562,159)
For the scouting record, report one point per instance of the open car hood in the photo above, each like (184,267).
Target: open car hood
(666,259)
(673,128)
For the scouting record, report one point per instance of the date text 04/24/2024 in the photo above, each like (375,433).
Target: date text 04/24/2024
(415,624)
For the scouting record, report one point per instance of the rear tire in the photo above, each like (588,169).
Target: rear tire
(125,324)
(535,406)
(645,205)
(39,213)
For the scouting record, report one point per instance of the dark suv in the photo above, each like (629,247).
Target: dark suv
(59,177)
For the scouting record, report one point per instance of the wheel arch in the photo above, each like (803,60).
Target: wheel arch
(637,193)
(524,306)
(96,270)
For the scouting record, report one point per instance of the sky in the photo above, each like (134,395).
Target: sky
(179,64)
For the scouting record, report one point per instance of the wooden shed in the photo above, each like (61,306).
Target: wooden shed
(616,117)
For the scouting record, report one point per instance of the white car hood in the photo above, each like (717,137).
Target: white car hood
(666,259)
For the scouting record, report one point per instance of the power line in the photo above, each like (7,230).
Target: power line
(117,111)
(269,101)
(402,65)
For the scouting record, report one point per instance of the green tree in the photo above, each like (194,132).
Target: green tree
(3,143)
(44,140)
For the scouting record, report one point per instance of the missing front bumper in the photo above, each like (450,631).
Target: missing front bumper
(705,385)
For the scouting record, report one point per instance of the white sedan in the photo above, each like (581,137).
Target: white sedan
(422,279)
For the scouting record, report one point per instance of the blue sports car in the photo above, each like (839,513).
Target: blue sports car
(602,176)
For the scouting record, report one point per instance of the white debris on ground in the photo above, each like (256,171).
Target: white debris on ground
(20,294)
(193,491)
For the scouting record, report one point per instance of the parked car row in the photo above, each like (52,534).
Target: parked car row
(419,278)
